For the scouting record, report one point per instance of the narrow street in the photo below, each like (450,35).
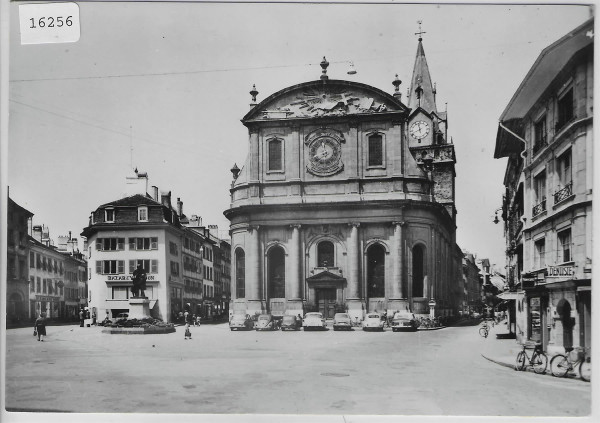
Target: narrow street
(427,373)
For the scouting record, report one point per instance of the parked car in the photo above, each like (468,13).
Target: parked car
(241,322)
(314,321)
(289,322)
(342,321)
(265,322)
(122,316)
(404,321)
(373,322)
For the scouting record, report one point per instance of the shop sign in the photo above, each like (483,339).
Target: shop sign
(128,278)
(44,298)
(558,271)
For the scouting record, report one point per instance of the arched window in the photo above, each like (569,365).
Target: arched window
(276,272)
(376,271)
(376,150)
(275,155)
(240,273)
(418,271)
(325,254)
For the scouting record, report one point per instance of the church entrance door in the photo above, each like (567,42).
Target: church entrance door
(326,302)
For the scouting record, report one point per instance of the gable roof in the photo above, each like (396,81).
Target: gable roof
(325,275)
(323,99)
(546,67)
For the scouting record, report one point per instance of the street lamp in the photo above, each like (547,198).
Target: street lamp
(496,220)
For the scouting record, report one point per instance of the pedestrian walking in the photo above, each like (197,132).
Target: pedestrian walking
(81,318)
(94,318)
(39,327)
(198,320)
(188,333)
(194,319)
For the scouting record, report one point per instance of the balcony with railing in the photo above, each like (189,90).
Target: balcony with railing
(539,208)
(563,193)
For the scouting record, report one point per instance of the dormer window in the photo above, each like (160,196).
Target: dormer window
(142,214)
(109,215)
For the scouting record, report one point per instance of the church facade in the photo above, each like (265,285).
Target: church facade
(346,202)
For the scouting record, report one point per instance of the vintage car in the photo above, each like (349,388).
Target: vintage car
(289,322)
(314,321)
(404,321)
(241,322)
(265,322)
(342,321)
(373,322)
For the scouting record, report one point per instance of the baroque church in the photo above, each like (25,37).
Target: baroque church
(346,202)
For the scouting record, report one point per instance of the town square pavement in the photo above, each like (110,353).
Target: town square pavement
(441,372)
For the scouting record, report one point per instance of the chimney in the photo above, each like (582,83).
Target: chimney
(165,199)
(37,233)
(179,207)
(214,230)
(136,184)
(63,243)
(155,193)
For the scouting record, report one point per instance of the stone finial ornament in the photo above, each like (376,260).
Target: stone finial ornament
(324,64)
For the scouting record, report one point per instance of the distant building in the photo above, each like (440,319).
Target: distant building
(142,229)
(472,300)
(546,131)
(17,269)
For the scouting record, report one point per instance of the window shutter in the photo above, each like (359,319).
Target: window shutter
(131,266)
(98,244)
(120,266)
(98,267)
(154,243)
(132,243)
(121,244)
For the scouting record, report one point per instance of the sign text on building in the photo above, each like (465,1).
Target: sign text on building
(561,271)
(127,278)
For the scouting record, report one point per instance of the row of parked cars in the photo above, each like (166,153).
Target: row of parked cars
(401,321)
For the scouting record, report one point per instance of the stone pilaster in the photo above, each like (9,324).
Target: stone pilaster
(353,299)
(294,303)
(397,299)
(253,272)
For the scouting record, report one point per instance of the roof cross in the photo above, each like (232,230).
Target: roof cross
(420,33)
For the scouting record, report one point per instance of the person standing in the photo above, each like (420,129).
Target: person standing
(40,326)
(81,318)
(94,323)
(188,333)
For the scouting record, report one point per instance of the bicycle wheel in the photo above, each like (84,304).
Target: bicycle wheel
(520,362)
(559,365)
(483,332)
(585,369)
(540,362)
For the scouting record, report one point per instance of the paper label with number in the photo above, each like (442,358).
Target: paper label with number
(43,23)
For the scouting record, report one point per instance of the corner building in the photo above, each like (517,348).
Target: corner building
(345,202)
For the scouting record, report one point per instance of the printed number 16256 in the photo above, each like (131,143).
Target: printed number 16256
(50,22)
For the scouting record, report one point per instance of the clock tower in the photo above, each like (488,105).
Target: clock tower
(428,131)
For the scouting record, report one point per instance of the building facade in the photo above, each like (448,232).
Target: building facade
(546,131)
(472,301)
(143,229)
(346,202)
(17,269)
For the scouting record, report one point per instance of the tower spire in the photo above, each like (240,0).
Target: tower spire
(422,91)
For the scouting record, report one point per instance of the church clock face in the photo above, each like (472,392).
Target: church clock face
(324,153)
(419,129)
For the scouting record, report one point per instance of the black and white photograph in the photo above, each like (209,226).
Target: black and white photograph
(289,212)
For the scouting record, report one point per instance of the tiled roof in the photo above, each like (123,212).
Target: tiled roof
(132,201)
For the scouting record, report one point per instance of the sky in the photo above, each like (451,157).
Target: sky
(162,88)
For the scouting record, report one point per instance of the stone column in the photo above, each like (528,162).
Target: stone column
(397,298)
(253,267)
(353,298)
(294,303)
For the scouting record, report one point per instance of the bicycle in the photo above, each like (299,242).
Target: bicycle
(484,330)
(561,364)
(538,359)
